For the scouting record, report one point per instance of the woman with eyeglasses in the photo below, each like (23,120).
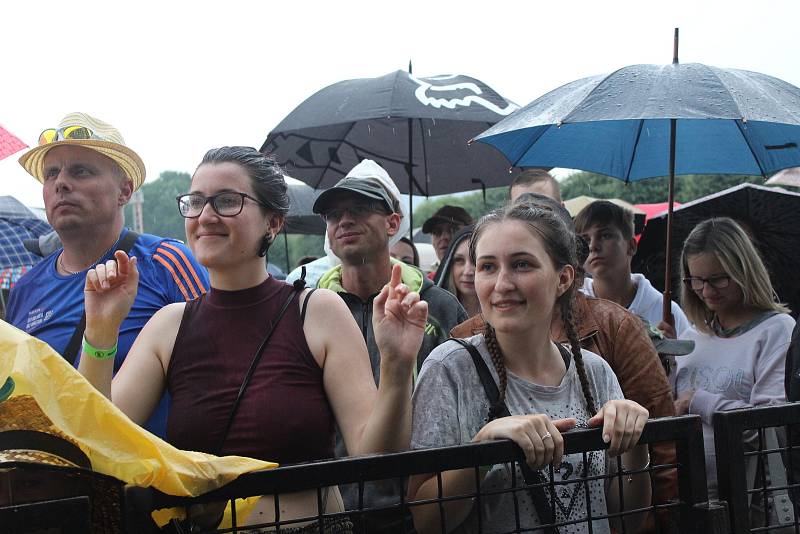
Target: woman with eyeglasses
(313,373)
(741,333)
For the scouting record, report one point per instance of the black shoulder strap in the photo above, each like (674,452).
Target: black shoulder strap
(305,306)
(297,287)
(73,347)
(496,408)
(565,354)
(534,479)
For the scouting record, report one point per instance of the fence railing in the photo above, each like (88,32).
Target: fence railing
(691,511)
(758,460)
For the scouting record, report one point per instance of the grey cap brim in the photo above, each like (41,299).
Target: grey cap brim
(674,347)
(326,196)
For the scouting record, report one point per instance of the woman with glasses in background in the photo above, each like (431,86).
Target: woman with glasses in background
(741,333)
(314,373)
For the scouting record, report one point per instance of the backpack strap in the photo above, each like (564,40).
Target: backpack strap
(534,479)
(73,346)
(496,408)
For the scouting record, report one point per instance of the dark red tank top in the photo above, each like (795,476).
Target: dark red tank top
(284,415)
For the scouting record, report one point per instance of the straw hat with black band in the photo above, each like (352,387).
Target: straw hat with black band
(104,139)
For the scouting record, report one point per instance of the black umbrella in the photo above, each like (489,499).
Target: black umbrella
(301,219)
(415,128)
(771,216)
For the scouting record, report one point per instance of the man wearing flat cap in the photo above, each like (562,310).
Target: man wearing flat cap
(443,225)
(88,175)
(361,216)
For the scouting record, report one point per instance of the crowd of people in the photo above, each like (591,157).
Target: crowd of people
(363,352)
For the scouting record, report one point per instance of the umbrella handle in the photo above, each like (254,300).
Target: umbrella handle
(667,309)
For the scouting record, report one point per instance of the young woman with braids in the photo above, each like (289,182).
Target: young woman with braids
(525,269)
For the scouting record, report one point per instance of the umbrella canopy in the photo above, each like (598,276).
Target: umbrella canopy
(18,223)
(790,177)
(575,205)
(301,219)
(770,215)
(728,122)
(415,128)
(9,143)
(644,121)
(657,208)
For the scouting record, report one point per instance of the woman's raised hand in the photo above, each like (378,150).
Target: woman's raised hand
(109,293)
(398,319)
(538,436)
(623,422)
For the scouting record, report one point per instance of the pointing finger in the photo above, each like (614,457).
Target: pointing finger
(397,275)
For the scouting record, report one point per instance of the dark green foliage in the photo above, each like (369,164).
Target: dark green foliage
(590,184)
(160,210)
(650,191)
(473,203)
(299,246)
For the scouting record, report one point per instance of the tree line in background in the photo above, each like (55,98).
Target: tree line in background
(651,191)
(160,213)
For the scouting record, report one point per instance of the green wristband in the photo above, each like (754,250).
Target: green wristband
(99,354)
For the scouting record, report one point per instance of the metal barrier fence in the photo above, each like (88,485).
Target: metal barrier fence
(691,511)
(758,463)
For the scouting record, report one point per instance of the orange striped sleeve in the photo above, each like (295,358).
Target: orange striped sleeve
(181,271)
(175,276)
(188,264)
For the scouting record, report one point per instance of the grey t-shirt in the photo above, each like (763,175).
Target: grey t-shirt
(450,407)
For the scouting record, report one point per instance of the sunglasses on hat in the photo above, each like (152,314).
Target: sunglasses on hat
(51,135)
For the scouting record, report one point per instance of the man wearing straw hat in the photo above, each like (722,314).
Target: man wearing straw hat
(88,175)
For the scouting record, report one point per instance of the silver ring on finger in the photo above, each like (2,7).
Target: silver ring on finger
(547,435)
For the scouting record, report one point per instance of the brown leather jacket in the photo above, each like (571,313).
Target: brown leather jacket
(621,339)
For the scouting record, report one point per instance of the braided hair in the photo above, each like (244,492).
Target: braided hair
(561,246)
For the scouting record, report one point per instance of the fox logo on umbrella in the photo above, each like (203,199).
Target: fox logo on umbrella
(431,93)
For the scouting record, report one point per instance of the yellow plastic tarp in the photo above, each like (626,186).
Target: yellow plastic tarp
(115,445)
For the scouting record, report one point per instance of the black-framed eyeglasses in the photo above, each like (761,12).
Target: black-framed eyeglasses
(717,282)
(357,211)
(225,204)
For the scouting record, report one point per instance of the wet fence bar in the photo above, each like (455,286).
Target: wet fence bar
(690,513)
(113,508)
(758,462)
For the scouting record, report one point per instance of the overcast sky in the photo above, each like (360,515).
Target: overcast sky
(178,78)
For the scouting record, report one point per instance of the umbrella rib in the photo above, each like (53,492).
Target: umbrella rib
(530,145)
(424,159)
(566,119)
(338,146)
(750,147)
(633,152)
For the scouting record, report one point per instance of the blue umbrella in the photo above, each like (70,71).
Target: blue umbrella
(18,223)
(644,121)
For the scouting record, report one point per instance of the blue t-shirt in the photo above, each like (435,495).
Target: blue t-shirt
(49,305)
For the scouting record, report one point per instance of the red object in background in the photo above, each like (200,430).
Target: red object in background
(653,209)
(9,143)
